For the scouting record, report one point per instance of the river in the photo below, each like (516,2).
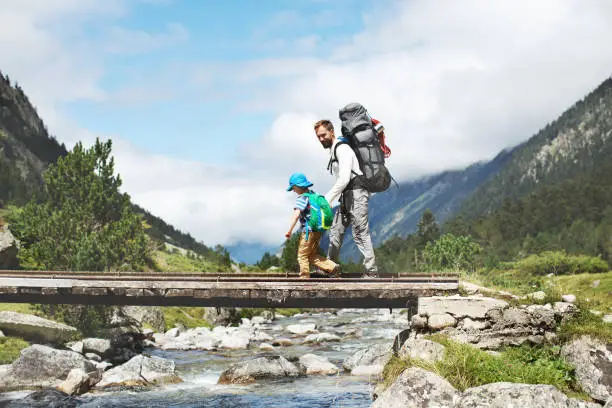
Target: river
(200,370)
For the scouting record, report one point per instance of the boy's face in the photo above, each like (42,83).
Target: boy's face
(299,190)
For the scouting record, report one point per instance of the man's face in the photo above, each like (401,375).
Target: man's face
(326,137)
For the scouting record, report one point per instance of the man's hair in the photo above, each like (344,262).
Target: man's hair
(324,122)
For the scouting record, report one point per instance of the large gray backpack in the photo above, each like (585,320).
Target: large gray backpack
(359,131)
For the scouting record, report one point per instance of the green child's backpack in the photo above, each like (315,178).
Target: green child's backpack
(321,215)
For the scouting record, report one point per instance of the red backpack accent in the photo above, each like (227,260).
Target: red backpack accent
(380,129)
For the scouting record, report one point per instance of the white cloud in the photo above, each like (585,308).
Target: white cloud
(453,82)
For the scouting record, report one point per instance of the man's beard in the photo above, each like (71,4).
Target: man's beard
(326,144)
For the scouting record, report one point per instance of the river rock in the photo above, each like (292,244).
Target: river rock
(235,343)
(47,398)
(441,321)
(305,328)
(422,349)
(370,360)
(266,367)
(321,338)
(42,366)
(474,307)
(418,322)
(101,347)
(9,247)
(568,298)
(505,395)
(141,370)
(221,316)
(314,364)
(266,347)
(593,362)
(416,387)
(34,328)
(76,383)
(282,342)
(151,315)
(76,346)
(1,334)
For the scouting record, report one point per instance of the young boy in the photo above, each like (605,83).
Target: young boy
(309,240)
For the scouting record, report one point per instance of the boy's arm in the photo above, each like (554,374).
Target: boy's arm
(294,219)
(345,167)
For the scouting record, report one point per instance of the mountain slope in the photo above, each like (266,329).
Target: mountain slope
(574,143)
(27,149)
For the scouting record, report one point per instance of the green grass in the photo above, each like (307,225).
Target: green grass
(585,323)
(465,366)
(190,317)
(17,307)
(10,347)
(176,262)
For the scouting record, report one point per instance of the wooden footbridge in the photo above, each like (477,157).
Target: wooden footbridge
(221,289)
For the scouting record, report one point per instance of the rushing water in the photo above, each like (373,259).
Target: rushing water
(200,370)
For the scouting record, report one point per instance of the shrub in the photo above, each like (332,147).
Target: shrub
(560,263)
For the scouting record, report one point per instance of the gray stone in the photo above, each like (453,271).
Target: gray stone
(150,315)
(542,316)
(93,357)
(321,338)
(47,398)
(266,347)
(416,388)
(34,328)
(512,317)
(141,370)
(221,316)
(75,346)
(563,308)
(539,295)
(283,342)
(9,247)
(607,318)
(422,349)
(593,362)
(267,367)
(370,360)
(418,322)
(1,334)
(505,395)
(469,324)
(101,347)
(235,342)
(474,307)
(76,383)
(568,298)
(42,366)
(441,321)
(314,364)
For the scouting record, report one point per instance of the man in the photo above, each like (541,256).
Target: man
(353,209)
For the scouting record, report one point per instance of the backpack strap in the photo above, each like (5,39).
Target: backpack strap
(334,158)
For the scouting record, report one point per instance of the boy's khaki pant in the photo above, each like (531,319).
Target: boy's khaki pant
(307,254)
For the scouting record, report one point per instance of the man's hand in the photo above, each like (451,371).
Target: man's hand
(288,235)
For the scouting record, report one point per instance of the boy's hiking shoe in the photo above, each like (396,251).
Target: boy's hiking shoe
(335,274)
(370,275)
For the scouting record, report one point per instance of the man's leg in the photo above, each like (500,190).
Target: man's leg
(336,232)
(361,230)
(303,256)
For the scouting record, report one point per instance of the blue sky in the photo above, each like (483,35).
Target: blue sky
(208,124)
(210,104)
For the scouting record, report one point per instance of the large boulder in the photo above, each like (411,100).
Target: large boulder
(416,387)
(369,361)
(221,316)
(504,394)
(141,370)
(266,367)
(313,364)
(593,362)
(473,307)
(422,349)
(34,328)
(147,315)
(42,366)
(9,247)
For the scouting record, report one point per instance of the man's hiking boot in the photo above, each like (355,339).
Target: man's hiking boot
(370,275)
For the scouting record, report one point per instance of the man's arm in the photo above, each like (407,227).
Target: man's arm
(345,166)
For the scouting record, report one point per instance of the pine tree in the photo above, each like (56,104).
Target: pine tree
(427,230)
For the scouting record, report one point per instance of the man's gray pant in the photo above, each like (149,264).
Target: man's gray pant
(353,211)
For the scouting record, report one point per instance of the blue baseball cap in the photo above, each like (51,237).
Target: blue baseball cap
(298,179)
